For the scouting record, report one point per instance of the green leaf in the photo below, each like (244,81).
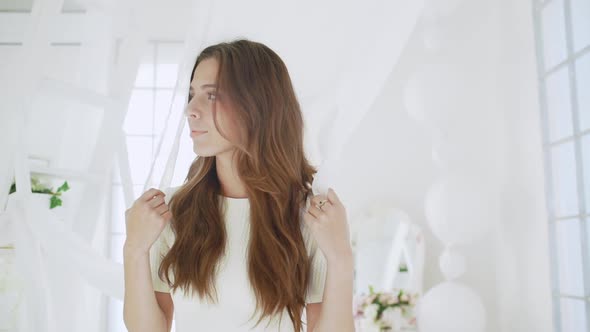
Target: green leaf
(55,201)
(64,187)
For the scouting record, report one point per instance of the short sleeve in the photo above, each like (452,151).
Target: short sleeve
(318,267)
(159,250)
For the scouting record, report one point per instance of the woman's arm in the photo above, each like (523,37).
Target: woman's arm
(327,219)
(141,311)
(336,311)
(144,222)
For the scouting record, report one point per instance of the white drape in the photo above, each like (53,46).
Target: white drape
(339,55)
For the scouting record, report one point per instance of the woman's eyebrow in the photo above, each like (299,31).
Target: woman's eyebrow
(205,86)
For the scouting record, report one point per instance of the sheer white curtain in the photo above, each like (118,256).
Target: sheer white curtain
(338,64)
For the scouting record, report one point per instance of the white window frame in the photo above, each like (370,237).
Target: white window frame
(576,138)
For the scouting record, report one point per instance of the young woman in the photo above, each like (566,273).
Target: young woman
(243,244)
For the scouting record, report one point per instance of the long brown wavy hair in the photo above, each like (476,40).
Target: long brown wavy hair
(272,164)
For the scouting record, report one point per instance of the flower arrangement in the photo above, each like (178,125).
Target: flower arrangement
(385,311)
(38,187)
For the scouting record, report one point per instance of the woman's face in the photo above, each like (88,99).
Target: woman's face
(207,141)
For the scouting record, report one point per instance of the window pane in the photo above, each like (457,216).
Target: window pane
(564,180)
(573,315)
(559,107)
(145,73)
(140,114)
(581,23)
(586,168)
(569,257)
(169,56)
(553,32)
(140,152)
(167,73)
(582,83)
(163,100)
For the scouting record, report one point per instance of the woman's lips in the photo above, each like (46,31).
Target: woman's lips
(195,133)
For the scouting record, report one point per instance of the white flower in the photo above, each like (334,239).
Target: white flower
(393,300)
(371,311)
(368,325)
(392,317)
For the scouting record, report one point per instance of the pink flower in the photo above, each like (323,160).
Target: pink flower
(358,305)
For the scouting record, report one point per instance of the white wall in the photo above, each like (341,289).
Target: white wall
(391,154)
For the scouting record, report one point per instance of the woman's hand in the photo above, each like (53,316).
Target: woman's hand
(326,217)
(145,220)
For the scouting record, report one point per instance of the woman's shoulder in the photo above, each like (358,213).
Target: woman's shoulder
(167,232)
(169,192)
(306,233)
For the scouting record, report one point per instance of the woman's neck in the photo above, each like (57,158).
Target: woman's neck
(227,172)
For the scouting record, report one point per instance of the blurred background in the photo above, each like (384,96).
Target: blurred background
(456,133)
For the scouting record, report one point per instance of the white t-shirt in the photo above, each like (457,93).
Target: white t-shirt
(236,299)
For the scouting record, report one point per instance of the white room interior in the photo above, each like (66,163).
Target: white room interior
(491,94)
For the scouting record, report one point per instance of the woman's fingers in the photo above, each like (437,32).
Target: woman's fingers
(156,201)
(320,200)
(315,211)
(321,205)
(333,197)
(150,193)
(161,209)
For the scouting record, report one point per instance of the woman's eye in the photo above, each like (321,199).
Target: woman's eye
(211,96)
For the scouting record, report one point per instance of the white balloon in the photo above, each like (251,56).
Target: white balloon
(461,145)
(451,263)
(451,307)
(460,208)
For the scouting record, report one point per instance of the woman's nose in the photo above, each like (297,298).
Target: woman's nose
(192,112)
